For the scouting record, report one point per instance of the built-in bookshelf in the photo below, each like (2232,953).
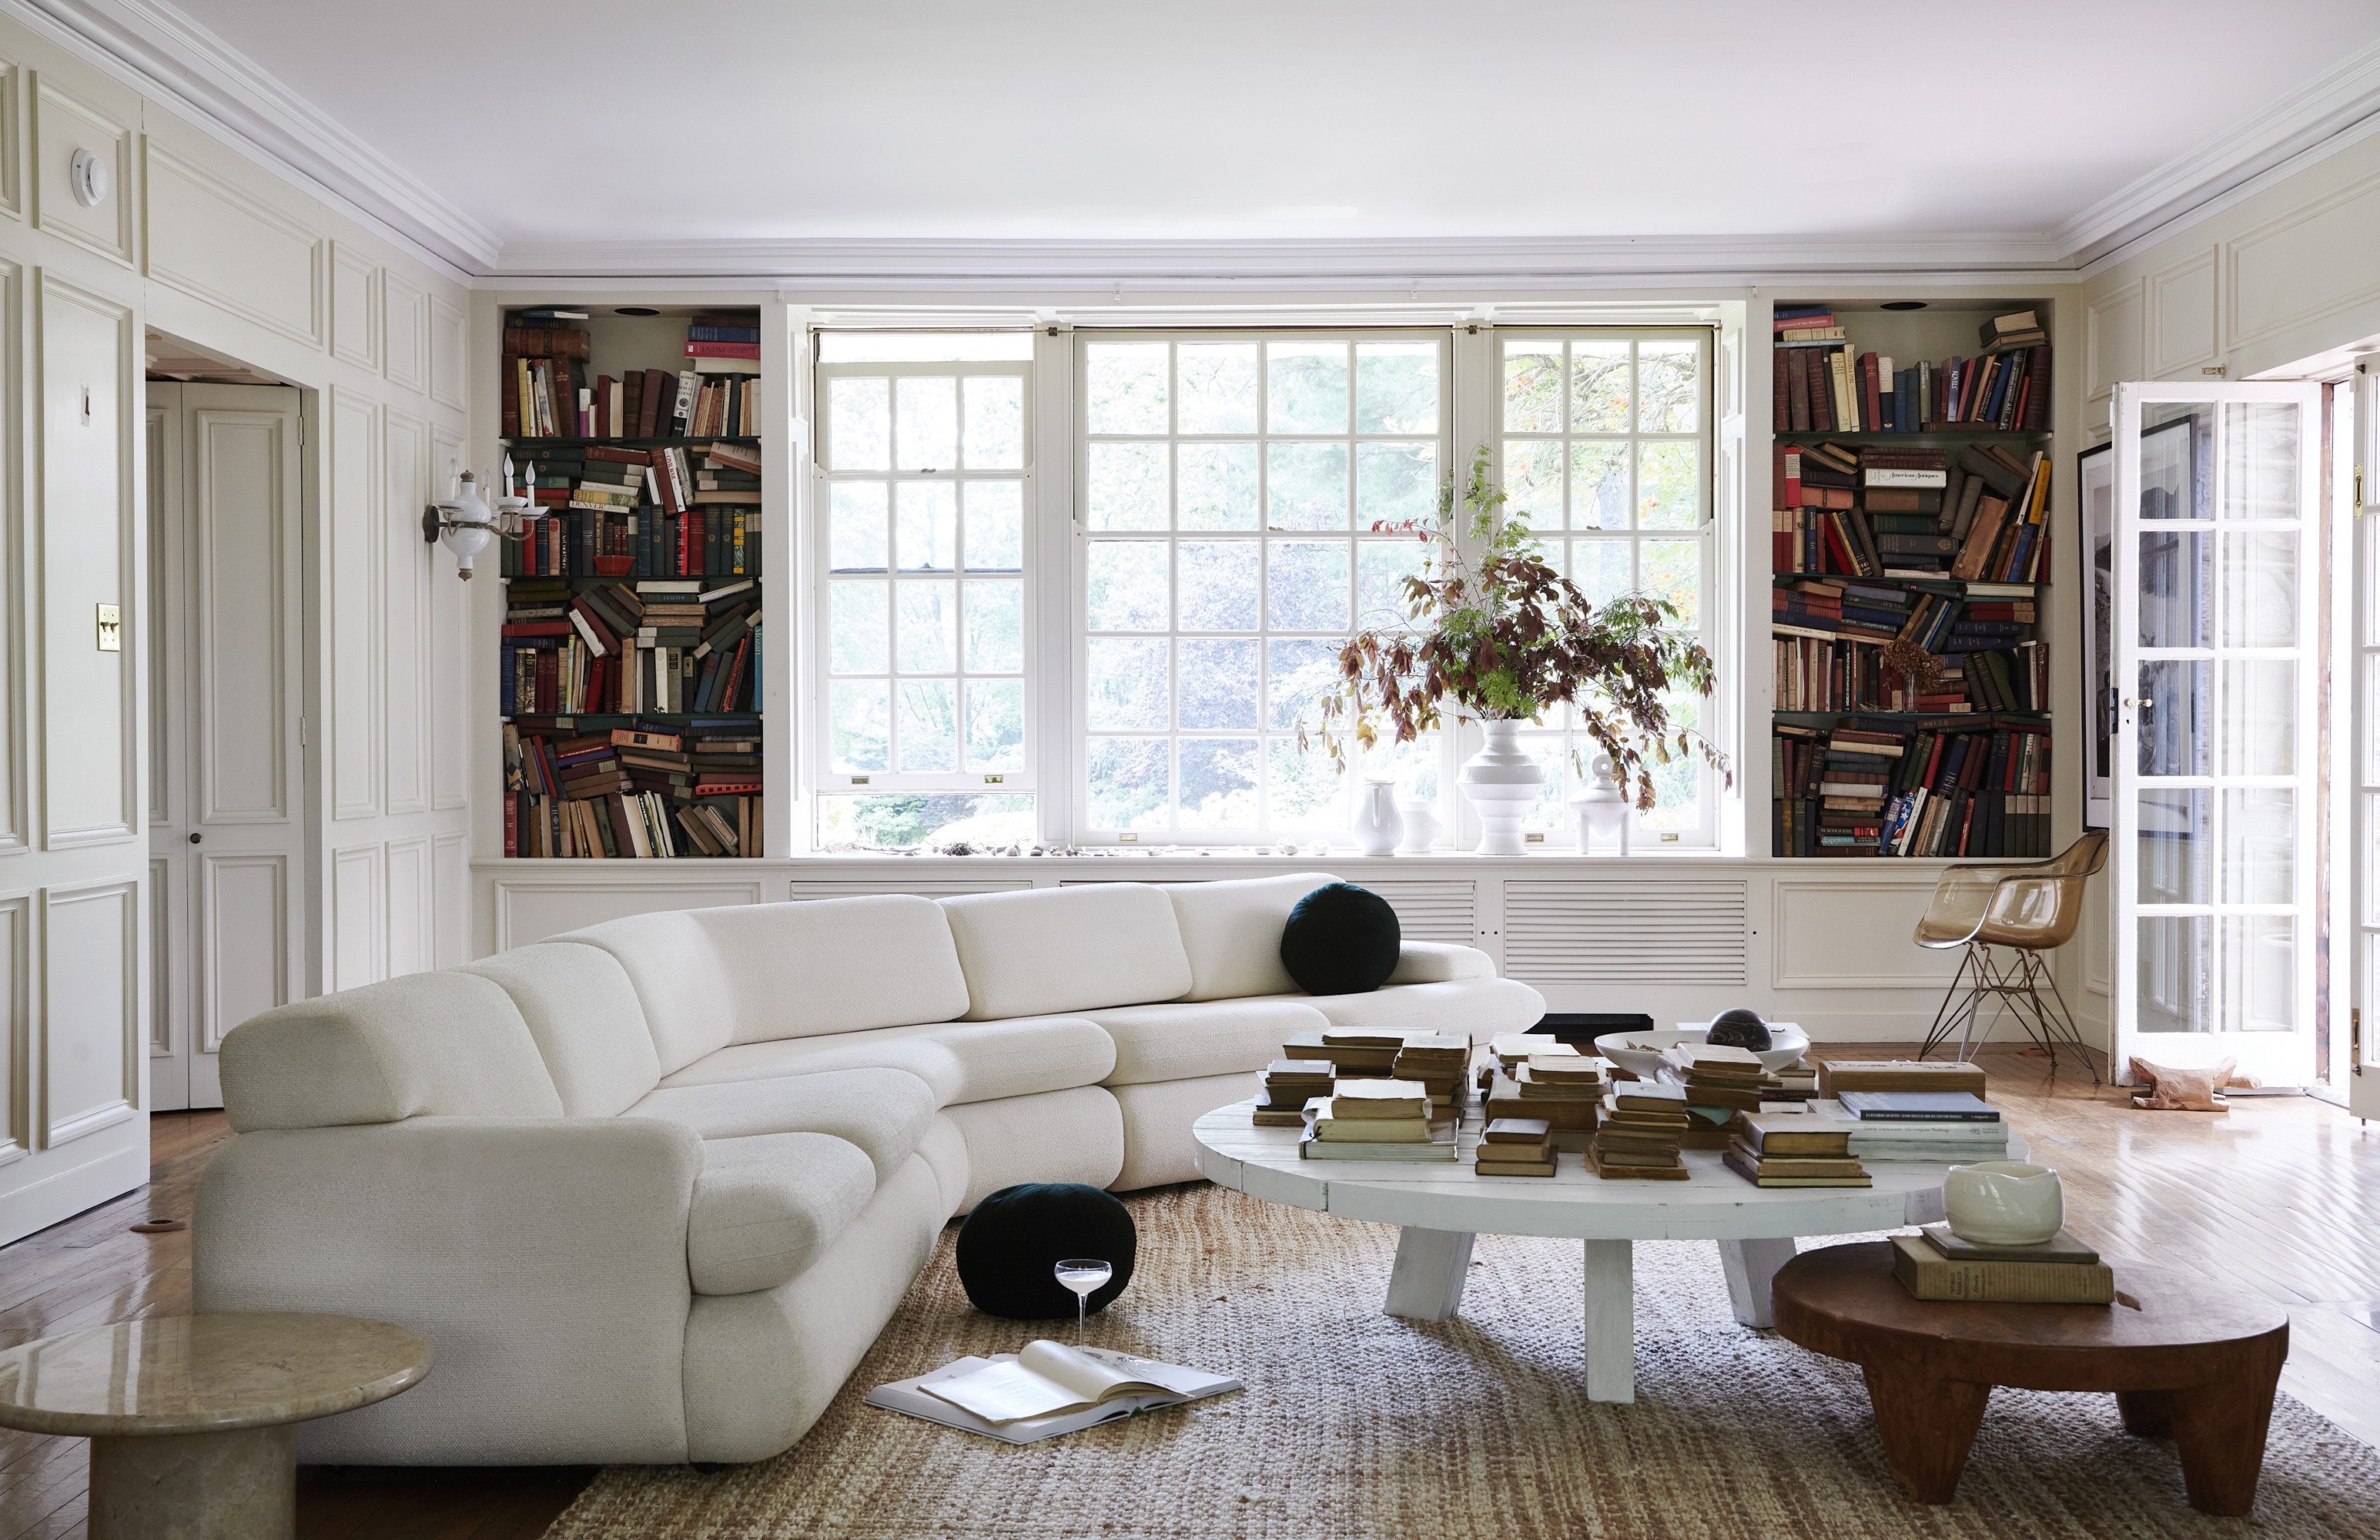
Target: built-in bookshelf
(1912,490)
(629,672)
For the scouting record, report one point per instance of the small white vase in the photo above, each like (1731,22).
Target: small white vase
(1503,783)
(2004,1203)
(1376,824)
(1421,827)
(1601,812)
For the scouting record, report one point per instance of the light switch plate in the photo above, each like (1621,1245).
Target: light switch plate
(111,629)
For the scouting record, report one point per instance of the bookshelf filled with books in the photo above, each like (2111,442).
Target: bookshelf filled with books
(630,649)
(1912,510)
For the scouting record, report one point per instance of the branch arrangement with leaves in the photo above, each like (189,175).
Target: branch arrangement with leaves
(1510,638)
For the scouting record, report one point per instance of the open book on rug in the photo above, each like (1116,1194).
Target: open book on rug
(1045,1390)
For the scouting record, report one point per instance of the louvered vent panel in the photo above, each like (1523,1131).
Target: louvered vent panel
(1433,911)
(1632,932)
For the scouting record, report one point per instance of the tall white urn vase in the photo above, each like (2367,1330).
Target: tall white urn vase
(1502,782)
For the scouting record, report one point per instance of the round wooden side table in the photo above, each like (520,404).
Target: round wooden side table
(192,1419)
(2184,1357)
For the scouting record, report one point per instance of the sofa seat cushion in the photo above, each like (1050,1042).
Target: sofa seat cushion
(1057,951)
(1482,1007)
(1231,932)
(961,1061)
(766,1204)
(885,1113)
(1182,1040)
(1439,962)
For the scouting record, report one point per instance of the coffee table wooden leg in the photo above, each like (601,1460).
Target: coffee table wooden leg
(1611,1321)
(2146,1413)
(1927,1425)
(1427,1282)
(1749,1264)
(2219,1432)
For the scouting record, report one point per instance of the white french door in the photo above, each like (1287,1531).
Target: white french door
(2217,661)
(2360,1078)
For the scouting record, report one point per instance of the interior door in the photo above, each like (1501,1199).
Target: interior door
(226,837)
(2362,807)
(2217,653)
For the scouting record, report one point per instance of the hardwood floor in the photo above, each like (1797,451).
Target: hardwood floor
(2281,1196)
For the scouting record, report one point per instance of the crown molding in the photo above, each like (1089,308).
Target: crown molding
(158,50)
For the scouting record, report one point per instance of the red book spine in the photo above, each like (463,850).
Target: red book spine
(512,823)
(727,701)
(1869,390)
(1798,387)
(1839,559)
(722,350)
(1780,403)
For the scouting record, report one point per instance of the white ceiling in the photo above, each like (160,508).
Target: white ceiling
(547,122)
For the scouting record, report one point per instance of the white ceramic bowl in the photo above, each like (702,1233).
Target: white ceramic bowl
(1786,1043)
(2004,1203)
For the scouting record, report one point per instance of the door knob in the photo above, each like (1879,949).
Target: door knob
(194,839)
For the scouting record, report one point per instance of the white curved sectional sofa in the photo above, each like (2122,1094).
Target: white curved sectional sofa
(651,1188)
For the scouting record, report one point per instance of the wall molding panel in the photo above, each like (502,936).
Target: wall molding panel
(531,908)
(17,606)
(16,1028)
(450,898)
(91,976)
(405,616)
(243,741)
(2111,342)
(2308,263)
(1849,934)
(12,135)
(412,925)
(220,243)
(449,354)
(2180,322)
(64,123)
(357,948)
(356,313)
(405,332)
(235,984)
(353,542)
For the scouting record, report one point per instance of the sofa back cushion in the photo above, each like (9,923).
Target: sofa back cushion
(753,973)
(584,1014)
(1231,932)
(1055,950)
(448,1044)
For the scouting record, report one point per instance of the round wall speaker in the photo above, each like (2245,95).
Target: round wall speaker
(90,176)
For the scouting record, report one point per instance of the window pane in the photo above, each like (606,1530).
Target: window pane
(927,639)
(1532,481)
(1218,784)
(995,526)
(857,722)
(2260,448)
(1302,790)
(926,423)
(931,818)
(1533,387)
(1669,486)
(1306,588)
(1601,569)
(1127,587)
(1131,782)
(1125,385)
(1306,486)
(995,422)
(1128,684)
(1669,389)
(1219,686)
(858,638)
(1396,387)
(1218,382)
(1395,482)
(1598,486)
(1677,786)
(995,736)
(856,536)
(1598,387)
(859,431)
(1219,586)
(1127,486)
(1673,570)
(928,520)
(1307,387)
(1298,674)
(929,739)
(995,627)
(1382,568)
(1218,486)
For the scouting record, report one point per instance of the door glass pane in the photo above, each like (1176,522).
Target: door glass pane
(2259,960)
(2173,726)
(2260,717)
(2259,459)
(2175,967)
(2175,582)
(2260,837)
(2175,840)
(2259,591)
(2165,486)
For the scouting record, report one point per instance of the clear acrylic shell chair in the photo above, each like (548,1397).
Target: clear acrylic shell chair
(2032,910)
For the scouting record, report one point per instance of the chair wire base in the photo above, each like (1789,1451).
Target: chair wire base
(2017,988)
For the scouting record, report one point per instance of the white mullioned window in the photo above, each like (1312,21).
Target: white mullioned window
(1227,485)
(1605,449)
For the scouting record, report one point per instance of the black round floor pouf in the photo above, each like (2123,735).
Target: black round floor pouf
(1340,940)
(1010,1247)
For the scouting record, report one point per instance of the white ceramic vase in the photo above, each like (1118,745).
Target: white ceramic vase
(1421,827)
(1376,824)
(1601,812)
(1502,782)
(2004,1203)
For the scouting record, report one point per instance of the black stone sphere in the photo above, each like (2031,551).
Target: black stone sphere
(1010,1247)
(1340,940)
(1739,1028)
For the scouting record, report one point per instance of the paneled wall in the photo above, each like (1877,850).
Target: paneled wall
(195,241)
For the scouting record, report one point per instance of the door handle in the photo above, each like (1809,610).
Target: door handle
(2143,701)
(194,839)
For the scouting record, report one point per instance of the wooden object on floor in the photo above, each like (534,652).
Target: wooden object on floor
(2184,1357)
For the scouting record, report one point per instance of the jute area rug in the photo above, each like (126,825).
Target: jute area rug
(1355,1423)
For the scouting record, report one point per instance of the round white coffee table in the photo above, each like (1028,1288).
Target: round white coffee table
(1441,1205)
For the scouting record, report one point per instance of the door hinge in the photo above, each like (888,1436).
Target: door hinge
(303,740)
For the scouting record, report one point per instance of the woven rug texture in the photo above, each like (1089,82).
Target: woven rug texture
(1355,1423)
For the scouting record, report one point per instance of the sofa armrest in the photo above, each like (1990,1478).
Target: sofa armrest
(545,1259)
(1439,962)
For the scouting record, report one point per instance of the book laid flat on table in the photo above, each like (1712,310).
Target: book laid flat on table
(1918,1107)
(1929,1275)
(1080,1387)
(2060,1248)
(1440,1146)
(1901,1074)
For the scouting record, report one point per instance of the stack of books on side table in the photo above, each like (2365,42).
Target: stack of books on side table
(1956,1128)
(1937,1265)
(1640,1136)
(1516,1146)
(1375,1119)
(1568,1098)
(1793,1149)
(1435,1059)
(1289,1084)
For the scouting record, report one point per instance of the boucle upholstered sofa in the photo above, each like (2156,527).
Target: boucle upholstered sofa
(651,1188)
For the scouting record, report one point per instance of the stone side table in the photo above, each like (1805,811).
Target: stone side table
(192,1419)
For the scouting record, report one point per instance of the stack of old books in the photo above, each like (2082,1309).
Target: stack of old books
(1793,1149)
(1898,1075)
(1375,1119)
(1565,1091)
(1353,1054)
(1949,1127)
(1720,1082)
(1435,1059)
(1289,1084)
(1796,1081)
(1639,1139)
(1937,1265)
(1516,1146)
